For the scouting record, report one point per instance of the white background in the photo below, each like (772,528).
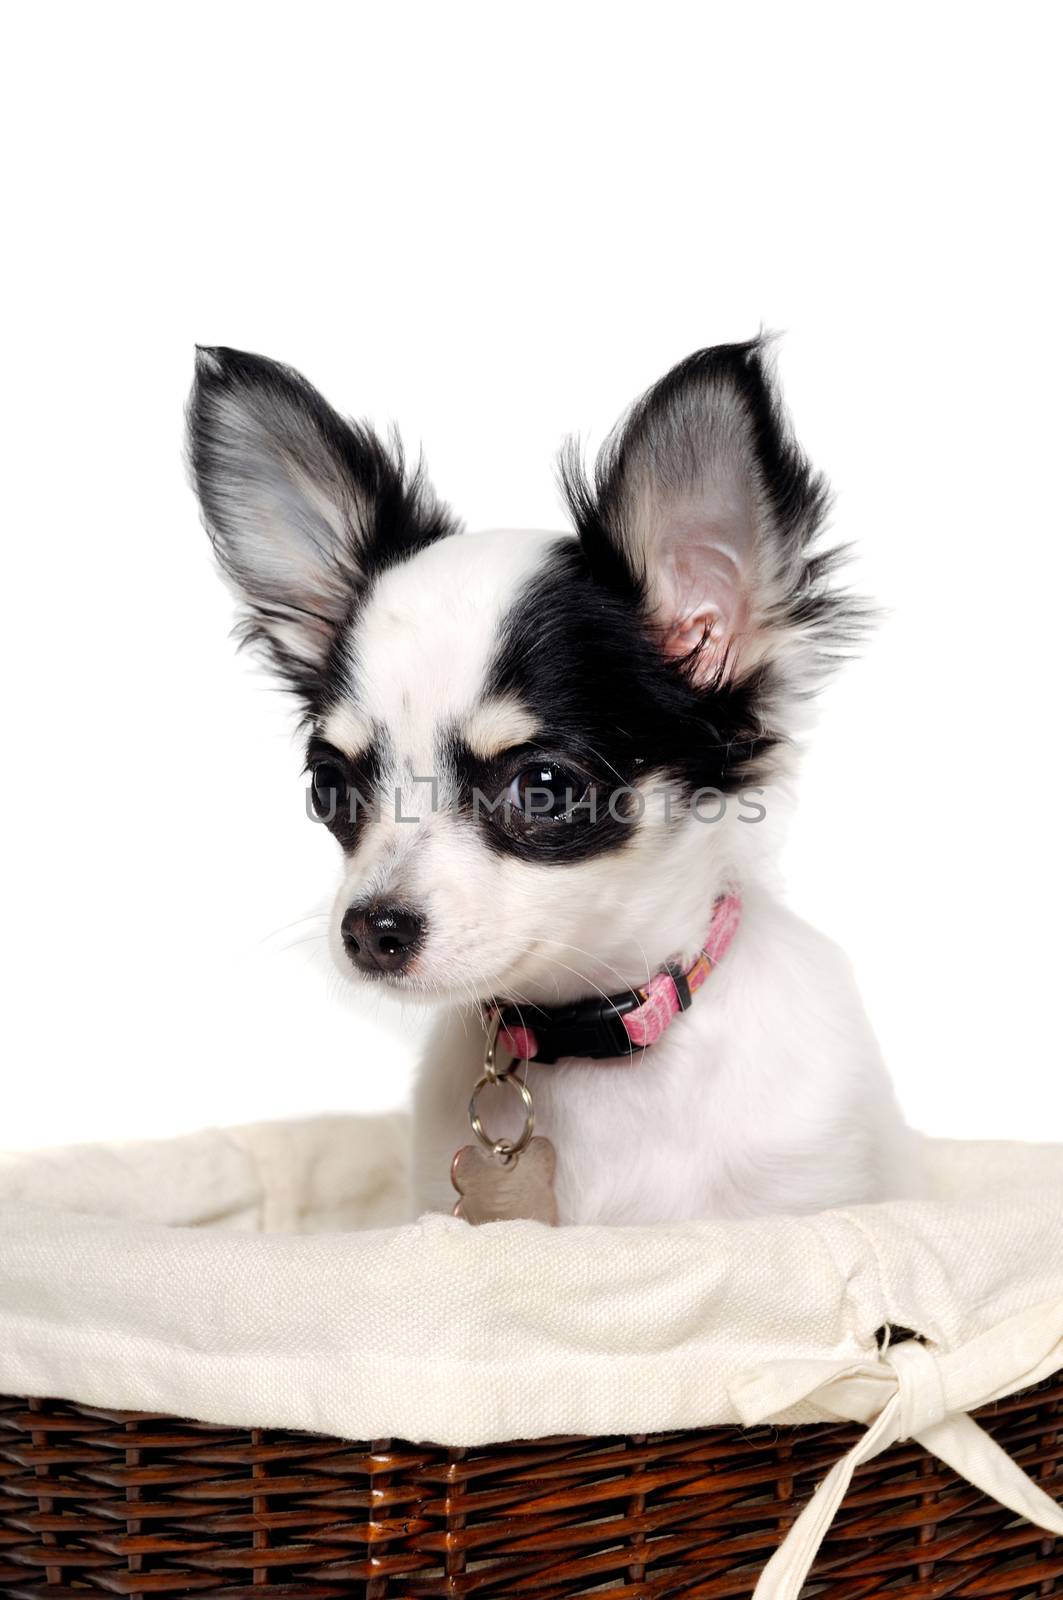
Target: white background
(496,224)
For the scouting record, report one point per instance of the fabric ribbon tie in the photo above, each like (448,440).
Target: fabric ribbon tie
(911,1392)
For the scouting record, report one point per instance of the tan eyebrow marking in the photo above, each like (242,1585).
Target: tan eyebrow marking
(347,729)
(497,724)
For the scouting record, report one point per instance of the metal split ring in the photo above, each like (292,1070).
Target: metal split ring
(491,1072)
(506,1148)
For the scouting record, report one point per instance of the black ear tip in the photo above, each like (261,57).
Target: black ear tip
(739,365)
(220,359)
(219,364)
(210,361)
(745,354)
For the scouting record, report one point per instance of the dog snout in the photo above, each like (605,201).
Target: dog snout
(380,937)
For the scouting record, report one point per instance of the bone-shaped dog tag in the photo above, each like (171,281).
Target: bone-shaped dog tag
(499,1188)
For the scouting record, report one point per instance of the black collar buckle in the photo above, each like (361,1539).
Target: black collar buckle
(682,985)
(590,1028)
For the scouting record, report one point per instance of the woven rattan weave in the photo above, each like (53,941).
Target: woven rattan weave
(121,1503)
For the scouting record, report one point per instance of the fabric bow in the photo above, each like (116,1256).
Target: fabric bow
(910,1392)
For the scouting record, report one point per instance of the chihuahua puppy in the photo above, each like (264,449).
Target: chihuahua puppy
(557,766)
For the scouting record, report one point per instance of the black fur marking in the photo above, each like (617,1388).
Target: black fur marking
(388,511)
(484,785)
(578,655)
(356,797)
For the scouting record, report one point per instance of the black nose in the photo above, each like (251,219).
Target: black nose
(381,938)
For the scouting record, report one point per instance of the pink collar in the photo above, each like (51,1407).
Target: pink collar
(622,1024)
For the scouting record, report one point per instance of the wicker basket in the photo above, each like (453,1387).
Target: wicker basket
(136,1505)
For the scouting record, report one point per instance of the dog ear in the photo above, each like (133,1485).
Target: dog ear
(300,505)
(704,506)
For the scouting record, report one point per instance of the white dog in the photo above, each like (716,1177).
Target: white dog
(557,765)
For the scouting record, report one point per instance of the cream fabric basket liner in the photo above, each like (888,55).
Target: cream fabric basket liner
(258,1276)
(264,1276)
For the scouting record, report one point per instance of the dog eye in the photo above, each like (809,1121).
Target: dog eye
(328,788)
(546,792)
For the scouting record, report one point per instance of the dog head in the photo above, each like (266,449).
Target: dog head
(536,750)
